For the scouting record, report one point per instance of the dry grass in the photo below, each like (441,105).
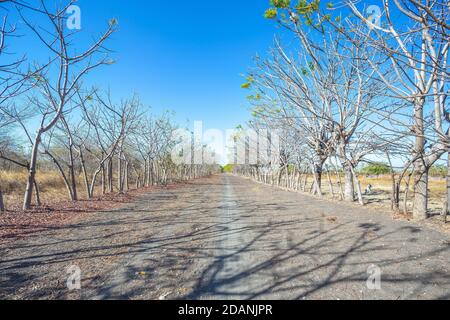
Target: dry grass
(51,187)
(382,188)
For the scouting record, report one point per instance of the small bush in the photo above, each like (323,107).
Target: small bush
(228,168)
(376,169)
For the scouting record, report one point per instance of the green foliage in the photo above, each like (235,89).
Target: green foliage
(250,80)
(305,7)
(228,168)
(377,168)
(271,13)
(284,4)
(305,12)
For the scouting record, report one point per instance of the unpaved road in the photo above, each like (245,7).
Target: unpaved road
(229,238)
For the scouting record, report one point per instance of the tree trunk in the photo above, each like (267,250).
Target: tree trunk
(405,199)
(94,179)
(37,193)
(447,209)
(341,190)
(280,175)
(63,175)
(150,173)
(349,191)
(32,173)
(330,183)
(2,204)
(444,212)
(317,185)
(103,170)
(72,175)
(106,170)
(127,181)
(120,173)
(299,181)
(305,181)
(110,175)
(358,187)
(318,169)
(420,211)
(138,180)
(86,179)
(287,177)
(145,173)
(394,199)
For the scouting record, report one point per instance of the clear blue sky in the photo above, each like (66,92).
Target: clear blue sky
(185,56)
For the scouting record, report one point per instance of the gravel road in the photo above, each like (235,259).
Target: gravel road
(230,238)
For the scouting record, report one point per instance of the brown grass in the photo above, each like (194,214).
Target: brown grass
(51,187)
(382,188)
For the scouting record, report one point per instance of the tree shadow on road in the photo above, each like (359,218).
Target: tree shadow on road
(262,249)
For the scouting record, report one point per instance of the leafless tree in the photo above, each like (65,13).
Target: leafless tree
(111,124)
(56,86)
(416,47)
(328,94)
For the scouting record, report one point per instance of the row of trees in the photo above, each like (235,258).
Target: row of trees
(47,113)
(357,88)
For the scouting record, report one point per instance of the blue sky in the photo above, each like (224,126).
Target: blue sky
(185,56)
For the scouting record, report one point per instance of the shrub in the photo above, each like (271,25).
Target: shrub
(377,168)
(228,168)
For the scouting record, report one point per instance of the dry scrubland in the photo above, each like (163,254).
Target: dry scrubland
(380,198)
(51,188)
(383,186)
(382,189)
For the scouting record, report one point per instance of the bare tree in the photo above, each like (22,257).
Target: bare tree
(418,52)
(54,93)
(111,125)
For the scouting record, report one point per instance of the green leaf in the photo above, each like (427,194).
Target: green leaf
(271,13)
(282,4)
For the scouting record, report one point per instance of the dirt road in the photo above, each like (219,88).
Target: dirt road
(229,238)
